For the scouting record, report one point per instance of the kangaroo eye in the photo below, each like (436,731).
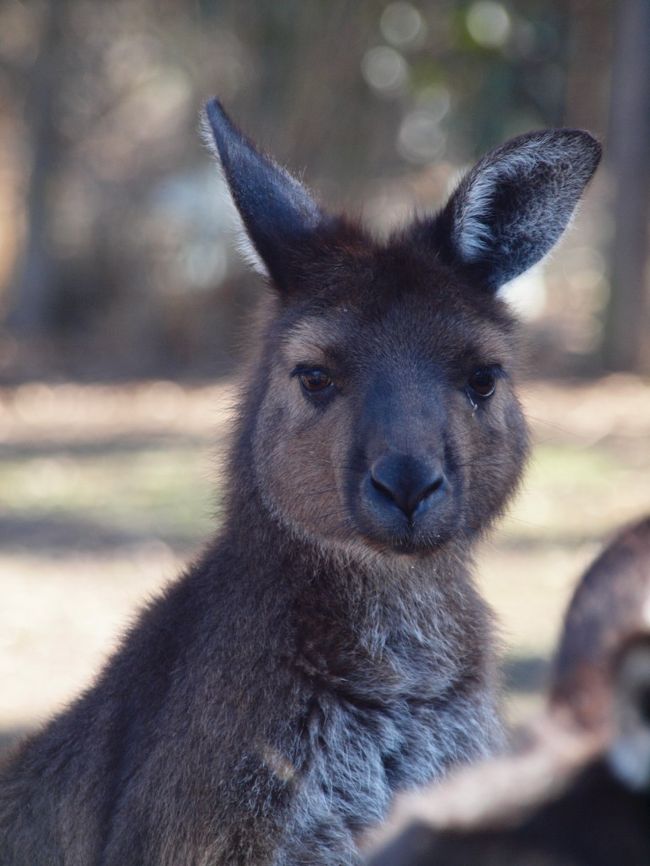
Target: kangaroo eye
(482,383)
(315,381)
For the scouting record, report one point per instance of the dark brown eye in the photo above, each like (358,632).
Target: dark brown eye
(482,383)
(315,381)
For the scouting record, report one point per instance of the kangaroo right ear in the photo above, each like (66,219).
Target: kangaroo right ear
(513,206)
(278,212)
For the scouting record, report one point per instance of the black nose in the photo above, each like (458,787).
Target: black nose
(407,482)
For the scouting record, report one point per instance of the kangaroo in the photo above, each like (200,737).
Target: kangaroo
(611,602)
(578,792)
(329,648)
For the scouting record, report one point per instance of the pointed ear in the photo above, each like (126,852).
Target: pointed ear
(278,212)
(514,205)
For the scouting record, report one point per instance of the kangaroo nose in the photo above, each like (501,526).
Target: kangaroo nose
(405,481)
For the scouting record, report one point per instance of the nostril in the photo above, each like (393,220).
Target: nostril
(419,494)
(430,489)
(382,488)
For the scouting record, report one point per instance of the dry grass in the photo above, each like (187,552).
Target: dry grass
(105,491)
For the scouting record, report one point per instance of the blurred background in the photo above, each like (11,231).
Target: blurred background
(122,296)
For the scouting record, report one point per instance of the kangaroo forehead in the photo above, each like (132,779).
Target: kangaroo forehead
(344,331)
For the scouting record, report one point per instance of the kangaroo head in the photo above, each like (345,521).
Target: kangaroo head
(385,411)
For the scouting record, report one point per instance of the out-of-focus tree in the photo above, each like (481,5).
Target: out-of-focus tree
(627,331)
(35,276)
(124,255)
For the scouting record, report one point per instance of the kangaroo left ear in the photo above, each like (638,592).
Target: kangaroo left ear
(514,205)
(279,213)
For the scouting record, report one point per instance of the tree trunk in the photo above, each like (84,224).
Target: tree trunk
(627,325)
(34,281)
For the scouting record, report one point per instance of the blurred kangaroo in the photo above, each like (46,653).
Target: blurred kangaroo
(578,792)
(329,648)
(612,602)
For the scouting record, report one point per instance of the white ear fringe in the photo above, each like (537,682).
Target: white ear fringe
(473,234)
(243,243)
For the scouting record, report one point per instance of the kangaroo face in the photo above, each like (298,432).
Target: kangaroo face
(391,417)
(387,413)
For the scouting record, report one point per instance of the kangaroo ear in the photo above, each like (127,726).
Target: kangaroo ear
(513,206)
(629,755)
(278,212)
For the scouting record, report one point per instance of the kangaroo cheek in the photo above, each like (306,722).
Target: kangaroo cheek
(298,467)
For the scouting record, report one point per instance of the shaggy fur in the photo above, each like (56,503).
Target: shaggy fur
(329,648)
(578,791)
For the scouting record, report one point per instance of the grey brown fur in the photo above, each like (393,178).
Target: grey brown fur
(329,648)
(577,792)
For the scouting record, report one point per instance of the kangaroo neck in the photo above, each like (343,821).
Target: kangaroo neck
(331,578)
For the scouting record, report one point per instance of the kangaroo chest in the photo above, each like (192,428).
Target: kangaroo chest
(380,724)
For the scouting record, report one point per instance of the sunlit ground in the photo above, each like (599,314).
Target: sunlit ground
(106,491)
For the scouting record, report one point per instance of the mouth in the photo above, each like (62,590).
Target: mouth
(408,539)
(406,546)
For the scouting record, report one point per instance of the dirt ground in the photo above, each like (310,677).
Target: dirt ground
(105,491)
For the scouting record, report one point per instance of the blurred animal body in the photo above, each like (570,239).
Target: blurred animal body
(329,649)
(610,604)
(578,792)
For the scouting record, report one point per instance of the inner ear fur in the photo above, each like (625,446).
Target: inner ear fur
(513,206)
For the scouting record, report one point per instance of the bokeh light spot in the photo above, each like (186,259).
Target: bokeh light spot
(488,23)
(420,138)
(402,24)
(385,70)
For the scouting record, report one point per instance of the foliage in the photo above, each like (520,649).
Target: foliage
(120,260)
